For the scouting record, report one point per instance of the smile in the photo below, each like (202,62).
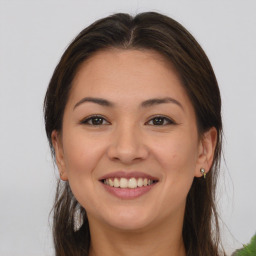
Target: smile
(128,183)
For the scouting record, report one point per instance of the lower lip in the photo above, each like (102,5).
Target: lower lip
(128,193)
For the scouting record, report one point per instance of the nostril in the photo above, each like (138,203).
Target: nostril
(127,150)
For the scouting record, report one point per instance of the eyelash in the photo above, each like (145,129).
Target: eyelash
(89,120)
(167,120)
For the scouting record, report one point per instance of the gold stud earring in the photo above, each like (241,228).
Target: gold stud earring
(202,170)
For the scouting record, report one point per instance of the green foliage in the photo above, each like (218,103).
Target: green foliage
(249,249)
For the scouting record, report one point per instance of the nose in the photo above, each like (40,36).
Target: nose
(127,145)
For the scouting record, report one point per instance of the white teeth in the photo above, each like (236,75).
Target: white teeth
(128,183)
(140,182)
(111,182)
(132,183)
(150,182)
(123,183)
(116,183)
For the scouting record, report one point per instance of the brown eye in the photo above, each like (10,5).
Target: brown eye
(160,120)
(95,120)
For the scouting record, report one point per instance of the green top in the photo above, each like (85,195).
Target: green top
(248,250)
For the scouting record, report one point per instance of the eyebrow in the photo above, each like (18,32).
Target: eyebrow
(99,101)
(146,103)
(156,101)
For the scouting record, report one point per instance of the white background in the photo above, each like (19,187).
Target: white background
(34,34)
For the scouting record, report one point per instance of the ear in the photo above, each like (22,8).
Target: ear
(206,151)
(59,154)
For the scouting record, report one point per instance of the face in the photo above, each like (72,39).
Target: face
(129,145)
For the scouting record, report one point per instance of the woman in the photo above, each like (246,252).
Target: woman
(133,118)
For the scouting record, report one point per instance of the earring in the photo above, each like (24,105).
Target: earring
(78,220)
(61,176)
(202,170)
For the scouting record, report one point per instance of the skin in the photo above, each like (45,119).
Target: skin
(129,140)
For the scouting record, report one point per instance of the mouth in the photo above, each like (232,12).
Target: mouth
(128,185)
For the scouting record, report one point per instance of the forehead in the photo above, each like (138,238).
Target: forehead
(127,75)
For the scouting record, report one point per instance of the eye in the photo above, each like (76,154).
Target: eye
(160,121)
(95,120)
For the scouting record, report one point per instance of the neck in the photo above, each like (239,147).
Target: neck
(161,240)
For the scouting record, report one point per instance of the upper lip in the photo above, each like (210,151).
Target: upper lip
(127,175)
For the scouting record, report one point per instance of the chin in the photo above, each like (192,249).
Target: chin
(129,219)
(132,226)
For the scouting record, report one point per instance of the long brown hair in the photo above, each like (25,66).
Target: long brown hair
(160,33)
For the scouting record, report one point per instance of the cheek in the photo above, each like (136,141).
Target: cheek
(177,155)
(81,154)
(178,162)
